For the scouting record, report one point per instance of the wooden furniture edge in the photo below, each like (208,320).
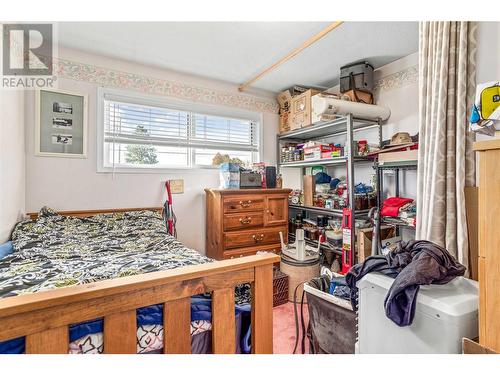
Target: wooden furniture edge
(86,213)
(44,317)
(490,144)
(248,191)
(50,298)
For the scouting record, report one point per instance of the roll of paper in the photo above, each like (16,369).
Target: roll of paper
(322,107)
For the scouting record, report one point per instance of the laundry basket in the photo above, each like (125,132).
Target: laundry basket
(332,323)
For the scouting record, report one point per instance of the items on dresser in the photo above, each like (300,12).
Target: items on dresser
(271,179)
(229,174)
(250,180)
(241,222)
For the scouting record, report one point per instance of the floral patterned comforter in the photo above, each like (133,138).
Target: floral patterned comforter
(55,251)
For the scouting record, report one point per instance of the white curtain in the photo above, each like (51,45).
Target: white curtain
(446,161)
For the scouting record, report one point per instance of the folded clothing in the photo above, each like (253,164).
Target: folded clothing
(391,206)
(412,264)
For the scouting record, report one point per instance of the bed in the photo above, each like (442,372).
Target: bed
(114,281)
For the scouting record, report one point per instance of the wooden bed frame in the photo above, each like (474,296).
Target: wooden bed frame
(43,317)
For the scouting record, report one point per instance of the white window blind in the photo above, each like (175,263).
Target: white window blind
(139,135)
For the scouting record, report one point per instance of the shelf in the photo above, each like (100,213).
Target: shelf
(396,222)
(393,165)
(329,211)
(325,129)
(332,161)
(314,243)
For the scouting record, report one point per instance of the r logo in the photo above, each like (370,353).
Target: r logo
(27,49)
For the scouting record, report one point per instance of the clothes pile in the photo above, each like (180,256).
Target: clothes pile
(411,264)
(398,209)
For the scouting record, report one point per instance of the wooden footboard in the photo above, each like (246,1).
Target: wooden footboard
(43,317)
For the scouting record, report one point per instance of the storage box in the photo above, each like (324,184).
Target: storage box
(284,101)
(409,155)
(280,288)
(309,189)
(315,152)
(444,314)
(250,180)
(364,240)
(359,96)
(472,347)
(301,109)
(284,125)
(229,176)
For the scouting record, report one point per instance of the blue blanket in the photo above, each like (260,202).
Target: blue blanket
(201,309)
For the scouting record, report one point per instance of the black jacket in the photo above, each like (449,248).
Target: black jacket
(412,264)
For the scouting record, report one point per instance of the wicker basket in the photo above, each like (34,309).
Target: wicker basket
(280,288)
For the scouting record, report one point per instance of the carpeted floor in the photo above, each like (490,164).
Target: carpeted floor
(284,328)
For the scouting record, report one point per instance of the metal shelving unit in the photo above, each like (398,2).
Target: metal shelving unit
(314,243)
(395,166)
(341,125)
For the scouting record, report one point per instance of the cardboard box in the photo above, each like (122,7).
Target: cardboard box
(309,189)
(360,96)
(472,347)
(364,240)
(315,152)
(285,102)
(300,110)
(408,155)
(284,122)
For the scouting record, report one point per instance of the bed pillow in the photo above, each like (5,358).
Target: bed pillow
(6,249)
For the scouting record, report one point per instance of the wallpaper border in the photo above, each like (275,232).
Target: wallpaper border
(397,80)
(157,86)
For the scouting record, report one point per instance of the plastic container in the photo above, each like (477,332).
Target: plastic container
(332,323)
(444,315)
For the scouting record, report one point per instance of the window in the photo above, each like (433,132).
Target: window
(144,133)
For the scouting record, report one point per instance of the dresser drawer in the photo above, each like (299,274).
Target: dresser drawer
(246,251)
(243,203)
(242,221)
(255,237)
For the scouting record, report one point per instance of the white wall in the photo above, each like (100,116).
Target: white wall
(65,184)
(488,55)
(12,161)
(398,90)
(487,63)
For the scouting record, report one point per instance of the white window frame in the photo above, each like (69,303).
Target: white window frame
(171,103)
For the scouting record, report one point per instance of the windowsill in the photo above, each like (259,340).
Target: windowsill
(133,170)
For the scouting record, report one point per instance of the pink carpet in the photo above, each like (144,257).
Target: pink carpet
(284,328)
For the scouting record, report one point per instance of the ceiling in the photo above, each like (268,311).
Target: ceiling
(236,51)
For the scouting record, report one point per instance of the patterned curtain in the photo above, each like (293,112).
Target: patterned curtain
(447,75)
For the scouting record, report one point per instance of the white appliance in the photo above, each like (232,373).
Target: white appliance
(444,315)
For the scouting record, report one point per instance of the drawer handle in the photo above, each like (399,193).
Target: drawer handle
(245,221)
(245,204)
(258,238)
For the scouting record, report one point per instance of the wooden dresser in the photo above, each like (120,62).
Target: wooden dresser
(489,243)
(240,222)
